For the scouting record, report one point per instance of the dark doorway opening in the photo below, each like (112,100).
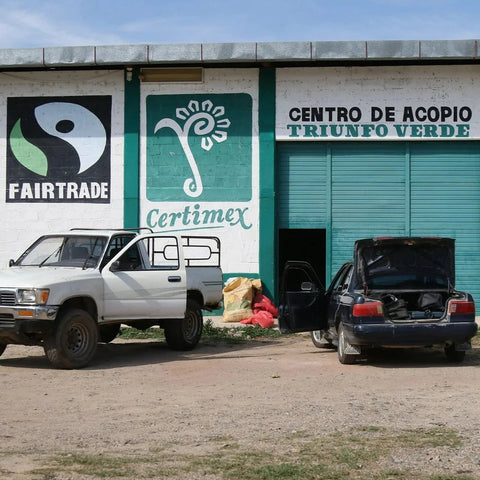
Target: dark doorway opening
(307,244)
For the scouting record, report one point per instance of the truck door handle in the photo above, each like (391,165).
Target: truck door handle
(175,278)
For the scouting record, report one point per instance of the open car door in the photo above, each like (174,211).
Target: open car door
(302,299)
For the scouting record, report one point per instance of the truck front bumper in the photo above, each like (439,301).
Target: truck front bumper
(18,323)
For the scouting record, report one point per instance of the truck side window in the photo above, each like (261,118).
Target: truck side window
(115,245)
(131,259)
(163,252)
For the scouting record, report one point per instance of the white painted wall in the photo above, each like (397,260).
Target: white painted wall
(240,246)
(425,90)
(22,223)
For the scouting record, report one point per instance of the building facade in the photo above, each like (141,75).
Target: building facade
(282,150)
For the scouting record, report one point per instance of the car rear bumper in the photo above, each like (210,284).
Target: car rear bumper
(410,334)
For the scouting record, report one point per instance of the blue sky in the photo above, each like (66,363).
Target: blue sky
(46,23)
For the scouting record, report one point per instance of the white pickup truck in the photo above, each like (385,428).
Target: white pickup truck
(71,290)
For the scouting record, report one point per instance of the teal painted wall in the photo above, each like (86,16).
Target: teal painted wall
(131,207)
(266,120)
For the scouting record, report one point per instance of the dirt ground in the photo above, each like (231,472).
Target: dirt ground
(138,396)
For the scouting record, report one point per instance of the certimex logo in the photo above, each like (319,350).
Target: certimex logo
(201,119)
(199,146)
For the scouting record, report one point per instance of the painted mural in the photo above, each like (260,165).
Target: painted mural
(58,149)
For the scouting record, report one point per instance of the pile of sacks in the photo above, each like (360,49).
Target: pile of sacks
(244,302)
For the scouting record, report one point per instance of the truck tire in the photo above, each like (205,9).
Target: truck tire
(185,333)
(109,332)
(73,341)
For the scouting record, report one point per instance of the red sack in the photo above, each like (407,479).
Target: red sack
(262,303)
(262,318)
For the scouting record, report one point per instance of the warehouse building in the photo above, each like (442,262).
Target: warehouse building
(282,150)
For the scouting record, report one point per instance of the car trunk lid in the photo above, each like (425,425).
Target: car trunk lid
(424,263)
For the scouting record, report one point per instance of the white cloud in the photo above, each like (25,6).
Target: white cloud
(24,28)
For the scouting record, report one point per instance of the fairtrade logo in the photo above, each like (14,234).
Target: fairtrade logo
(58,149)
(69,122)
(207,123)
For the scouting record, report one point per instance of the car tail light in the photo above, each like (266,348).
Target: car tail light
(461,307)
(368,309)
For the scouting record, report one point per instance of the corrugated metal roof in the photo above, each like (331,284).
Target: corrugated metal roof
(416,51)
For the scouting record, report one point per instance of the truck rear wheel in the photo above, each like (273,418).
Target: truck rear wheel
(73,341)
(185,333)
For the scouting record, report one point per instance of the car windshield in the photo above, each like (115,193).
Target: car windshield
(65,251)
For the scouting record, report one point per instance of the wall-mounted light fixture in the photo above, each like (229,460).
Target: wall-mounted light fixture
(129,74)
(172,75)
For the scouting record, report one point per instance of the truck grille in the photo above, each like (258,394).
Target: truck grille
(7,298)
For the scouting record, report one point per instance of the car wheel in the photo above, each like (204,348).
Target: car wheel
(454,356)
(343,346)
(185,333)
(108,333)
(319,340)
(73,341)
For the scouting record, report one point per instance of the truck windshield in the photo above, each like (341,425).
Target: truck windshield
(65,251)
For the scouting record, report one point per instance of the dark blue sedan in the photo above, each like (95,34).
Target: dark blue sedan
(397,292)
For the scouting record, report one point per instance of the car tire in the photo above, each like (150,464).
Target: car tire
(319,340)
(185,333)
(343,345)
(72,343)
(108,333)
(454,356)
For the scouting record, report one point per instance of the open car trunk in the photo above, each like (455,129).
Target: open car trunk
(413,277)
(404,305)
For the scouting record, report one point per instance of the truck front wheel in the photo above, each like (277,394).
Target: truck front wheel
(73,341)
(185,333)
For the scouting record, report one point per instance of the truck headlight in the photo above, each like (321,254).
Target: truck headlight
(33,296)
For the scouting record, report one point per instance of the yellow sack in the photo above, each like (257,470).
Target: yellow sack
(237,298)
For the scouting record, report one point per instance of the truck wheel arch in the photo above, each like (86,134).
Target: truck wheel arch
(196,296)
(83,303)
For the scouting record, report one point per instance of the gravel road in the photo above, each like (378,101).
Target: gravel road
(138,397)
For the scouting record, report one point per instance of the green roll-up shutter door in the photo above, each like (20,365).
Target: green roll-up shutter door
(301,186)
(445,193)
(368,194)
(358,190)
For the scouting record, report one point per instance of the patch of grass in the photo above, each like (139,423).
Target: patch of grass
(210,332)
(353,455)
(233,334)
(149,333)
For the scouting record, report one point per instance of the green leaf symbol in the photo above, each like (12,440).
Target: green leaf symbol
(27,154)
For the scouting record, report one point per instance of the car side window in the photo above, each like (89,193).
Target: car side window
(342,280)
(348,277)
